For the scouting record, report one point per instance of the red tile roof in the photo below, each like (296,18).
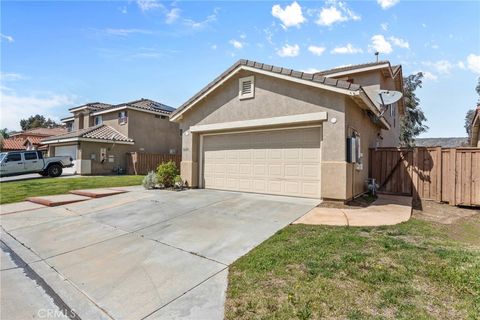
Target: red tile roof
(12,144)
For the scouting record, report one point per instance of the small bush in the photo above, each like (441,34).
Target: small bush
(150,180)
(178,182)
(166,173)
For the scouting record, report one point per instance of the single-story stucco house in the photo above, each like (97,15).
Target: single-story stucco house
(266,129)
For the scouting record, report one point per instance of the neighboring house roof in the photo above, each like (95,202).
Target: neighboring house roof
(475,128)
(34,140)
(441,142)
(361,68)
(141,104)
(12,144)
(45,132)
(99,133)
(340,86)
(92,106)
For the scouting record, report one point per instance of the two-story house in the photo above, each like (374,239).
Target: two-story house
(267,129)
(101,134)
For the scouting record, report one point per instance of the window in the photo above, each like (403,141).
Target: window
(122,117)
(181,132)
(14,157)
(98,120)
(163,117)
(30,155)
(246,88)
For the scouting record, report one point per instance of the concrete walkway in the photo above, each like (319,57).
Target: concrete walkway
(386,210)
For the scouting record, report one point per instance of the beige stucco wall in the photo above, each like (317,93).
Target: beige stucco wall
(371,82)
(273,98)
(152,134)
(86,149)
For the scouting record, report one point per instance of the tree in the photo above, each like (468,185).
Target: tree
(413,122)
(37,121)
(471,113)
(4,133)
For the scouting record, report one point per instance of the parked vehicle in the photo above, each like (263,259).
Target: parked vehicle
(23,162)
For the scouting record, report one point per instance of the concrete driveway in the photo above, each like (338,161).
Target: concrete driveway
(137,255)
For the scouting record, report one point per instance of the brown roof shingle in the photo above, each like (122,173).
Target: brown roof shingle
(12,144)
(100,132)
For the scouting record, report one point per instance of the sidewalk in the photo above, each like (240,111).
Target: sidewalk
(386,210)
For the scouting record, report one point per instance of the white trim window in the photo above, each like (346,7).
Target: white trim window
(246,88)
(97,120)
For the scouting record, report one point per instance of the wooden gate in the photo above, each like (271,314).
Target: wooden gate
(442,174)
(142,163)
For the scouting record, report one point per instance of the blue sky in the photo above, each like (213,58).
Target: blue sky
(56,55)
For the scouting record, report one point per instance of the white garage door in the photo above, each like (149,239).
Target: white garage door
(283,162)
(70,151)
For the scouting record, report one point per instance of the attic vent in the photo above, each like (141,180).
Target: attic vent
(246,88)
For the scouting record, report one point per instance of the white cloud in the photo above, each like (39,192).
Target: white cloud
(289,51)
(213,47)
(380,44)
(236,44)
(125,32)
(473,63)
(429,76)
(400,42)
(441,66)
(11,76)
(316,50)
(146,5)
(8,38)
(335,12)
(291,16)
(172,15)
(202,24)
(461,65)
(384,26)
(348,49)
(385,4)
(15,107)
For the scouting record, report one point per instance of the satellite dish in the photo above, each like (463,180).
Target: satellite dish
(386,98)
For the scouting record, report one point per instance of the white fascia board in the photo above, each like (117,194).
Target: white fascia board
(268,73)
(77,108)
(264,122)
(87,140)
(67,119)
(346,73)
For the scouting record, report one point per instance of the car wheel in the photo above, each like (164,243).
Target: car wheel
(43,173)
(54,170)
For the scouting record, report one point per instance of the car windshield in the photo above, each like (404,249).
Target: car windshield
(2,155)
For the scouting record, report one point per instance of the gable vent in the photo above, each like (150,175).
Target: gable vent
(246,88)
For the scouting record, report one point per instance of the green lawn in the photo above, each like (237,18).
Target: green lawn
(19,190)
(415,270)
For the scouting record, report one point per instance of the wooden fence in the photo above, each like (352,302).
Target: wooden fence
(442,174)
(142,163)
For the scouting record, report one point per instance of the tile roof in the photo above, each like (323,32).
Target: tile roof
(33,140)
(99,132)
(46,132)
(13,144)
(352,67)
(441,142)
(94,106)
(144,104)
(279,70)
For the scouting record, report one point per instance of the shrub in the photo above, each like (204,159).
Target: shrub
(178,182)
(150,180)
(166,173)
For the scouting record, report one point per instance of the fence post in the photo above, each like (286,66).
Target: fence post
(453,177)
(415,192)
(438,196)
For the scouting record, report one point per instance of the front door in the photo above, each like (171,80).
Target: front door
(32,163)
(13,164)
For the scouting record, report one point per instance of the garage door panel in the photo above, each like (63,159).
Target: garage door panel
(283,162)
